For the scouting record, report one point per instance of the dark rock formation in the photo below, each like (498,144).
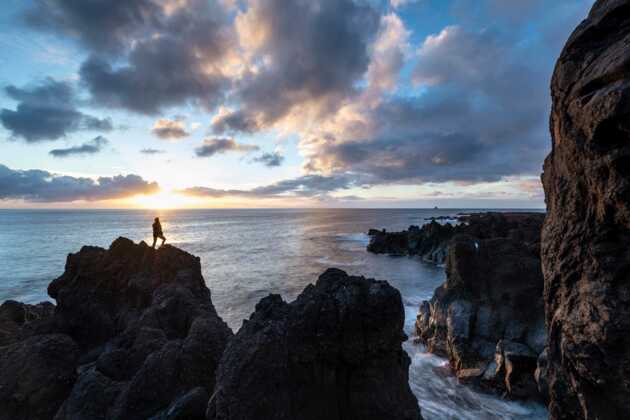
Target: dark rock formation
(36,375)
(334,353)
(431,240)
(586,237)
(134,335)
(18,320)
(488,316)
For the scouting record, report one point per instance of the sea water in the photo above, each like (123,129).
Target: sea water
(247,254)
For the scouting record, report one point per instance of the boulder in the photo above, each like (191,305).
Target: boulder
(334,353)
(586,236)
(492,295)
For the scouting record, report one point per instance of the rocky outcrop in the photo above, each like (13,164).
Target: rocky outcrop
(488,316)
(334,353)
(432,239)
(586,237)
(134,335)
(18,320)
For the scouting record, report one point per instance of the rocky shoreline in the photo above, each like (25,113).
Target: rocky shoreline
(487,318)
(134,335)
(430,242)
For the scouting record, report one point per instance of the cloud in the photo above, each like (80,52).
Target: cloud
(307,57)
(146,55)
(150,151)
(396,4)
(97,24)
(307,186)
(42,186)
(270,160)
(215,146)
(497,129)
(47,111)
(169,129)
(89,148)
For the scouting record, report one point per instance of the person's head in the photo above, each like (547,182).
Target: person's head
(157,219)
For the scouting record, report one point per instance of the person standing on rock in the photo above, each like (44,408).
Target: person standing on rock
(157,232)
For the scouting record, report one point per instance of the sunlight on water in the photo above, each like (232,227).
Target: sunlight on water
(247,254)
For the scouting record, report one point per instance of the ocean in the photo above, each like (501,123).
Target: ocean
(247,254)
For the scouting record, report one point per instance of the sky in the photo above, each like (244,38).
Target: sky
(277,103)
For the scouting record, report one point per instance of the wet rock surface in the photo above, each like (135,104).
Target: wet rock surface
(586,237)
(333,353)
(488,317)
(432,239)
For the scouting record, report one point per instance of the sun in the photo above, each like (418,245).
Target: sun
(163,200)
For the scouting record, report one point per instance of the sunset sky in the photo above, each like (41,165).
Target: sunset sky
(277,103)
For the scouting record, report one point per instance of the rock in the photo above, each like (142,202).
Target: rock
(492,293)
(334,353)
(516,364)
(36,375)
(432,239)
(147,324)
(382,242)
(586,236)
(134,335)
(17,319)
(540,375)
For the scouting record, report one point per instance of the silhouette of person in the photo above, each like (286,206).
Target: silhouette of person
(157,232)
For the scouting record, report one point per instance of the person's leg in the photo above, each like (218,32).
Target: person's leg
(154,241)
(163,240)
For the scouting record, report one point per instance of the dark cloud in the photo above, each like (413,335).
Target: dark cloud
(98,24)
(170,129)
(308,186)
(47,111)
(498,128)
(315,51)
(43,186)
(150,151)
(236,122)
(89,148)
(211,147)
(146,55)
(270,159)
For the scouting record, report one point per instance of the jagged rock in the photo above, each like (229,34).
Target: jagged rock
(540,375)
(334,353)
(492,292)
(18,319)
(432,239)
(516,365)
(134,335)
(145,321)
(36,375)
(586,237)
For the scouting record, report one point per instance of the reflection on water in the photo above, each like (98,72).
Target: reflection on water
(247,254)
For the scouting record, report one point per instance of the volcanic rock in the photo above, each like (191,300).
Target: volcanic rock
(334,353)
(586,237)
(432,239)
(488,316)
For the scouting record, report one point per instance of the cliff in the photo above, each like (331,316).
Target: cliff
(488,317)
(586,236)
(134,335)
